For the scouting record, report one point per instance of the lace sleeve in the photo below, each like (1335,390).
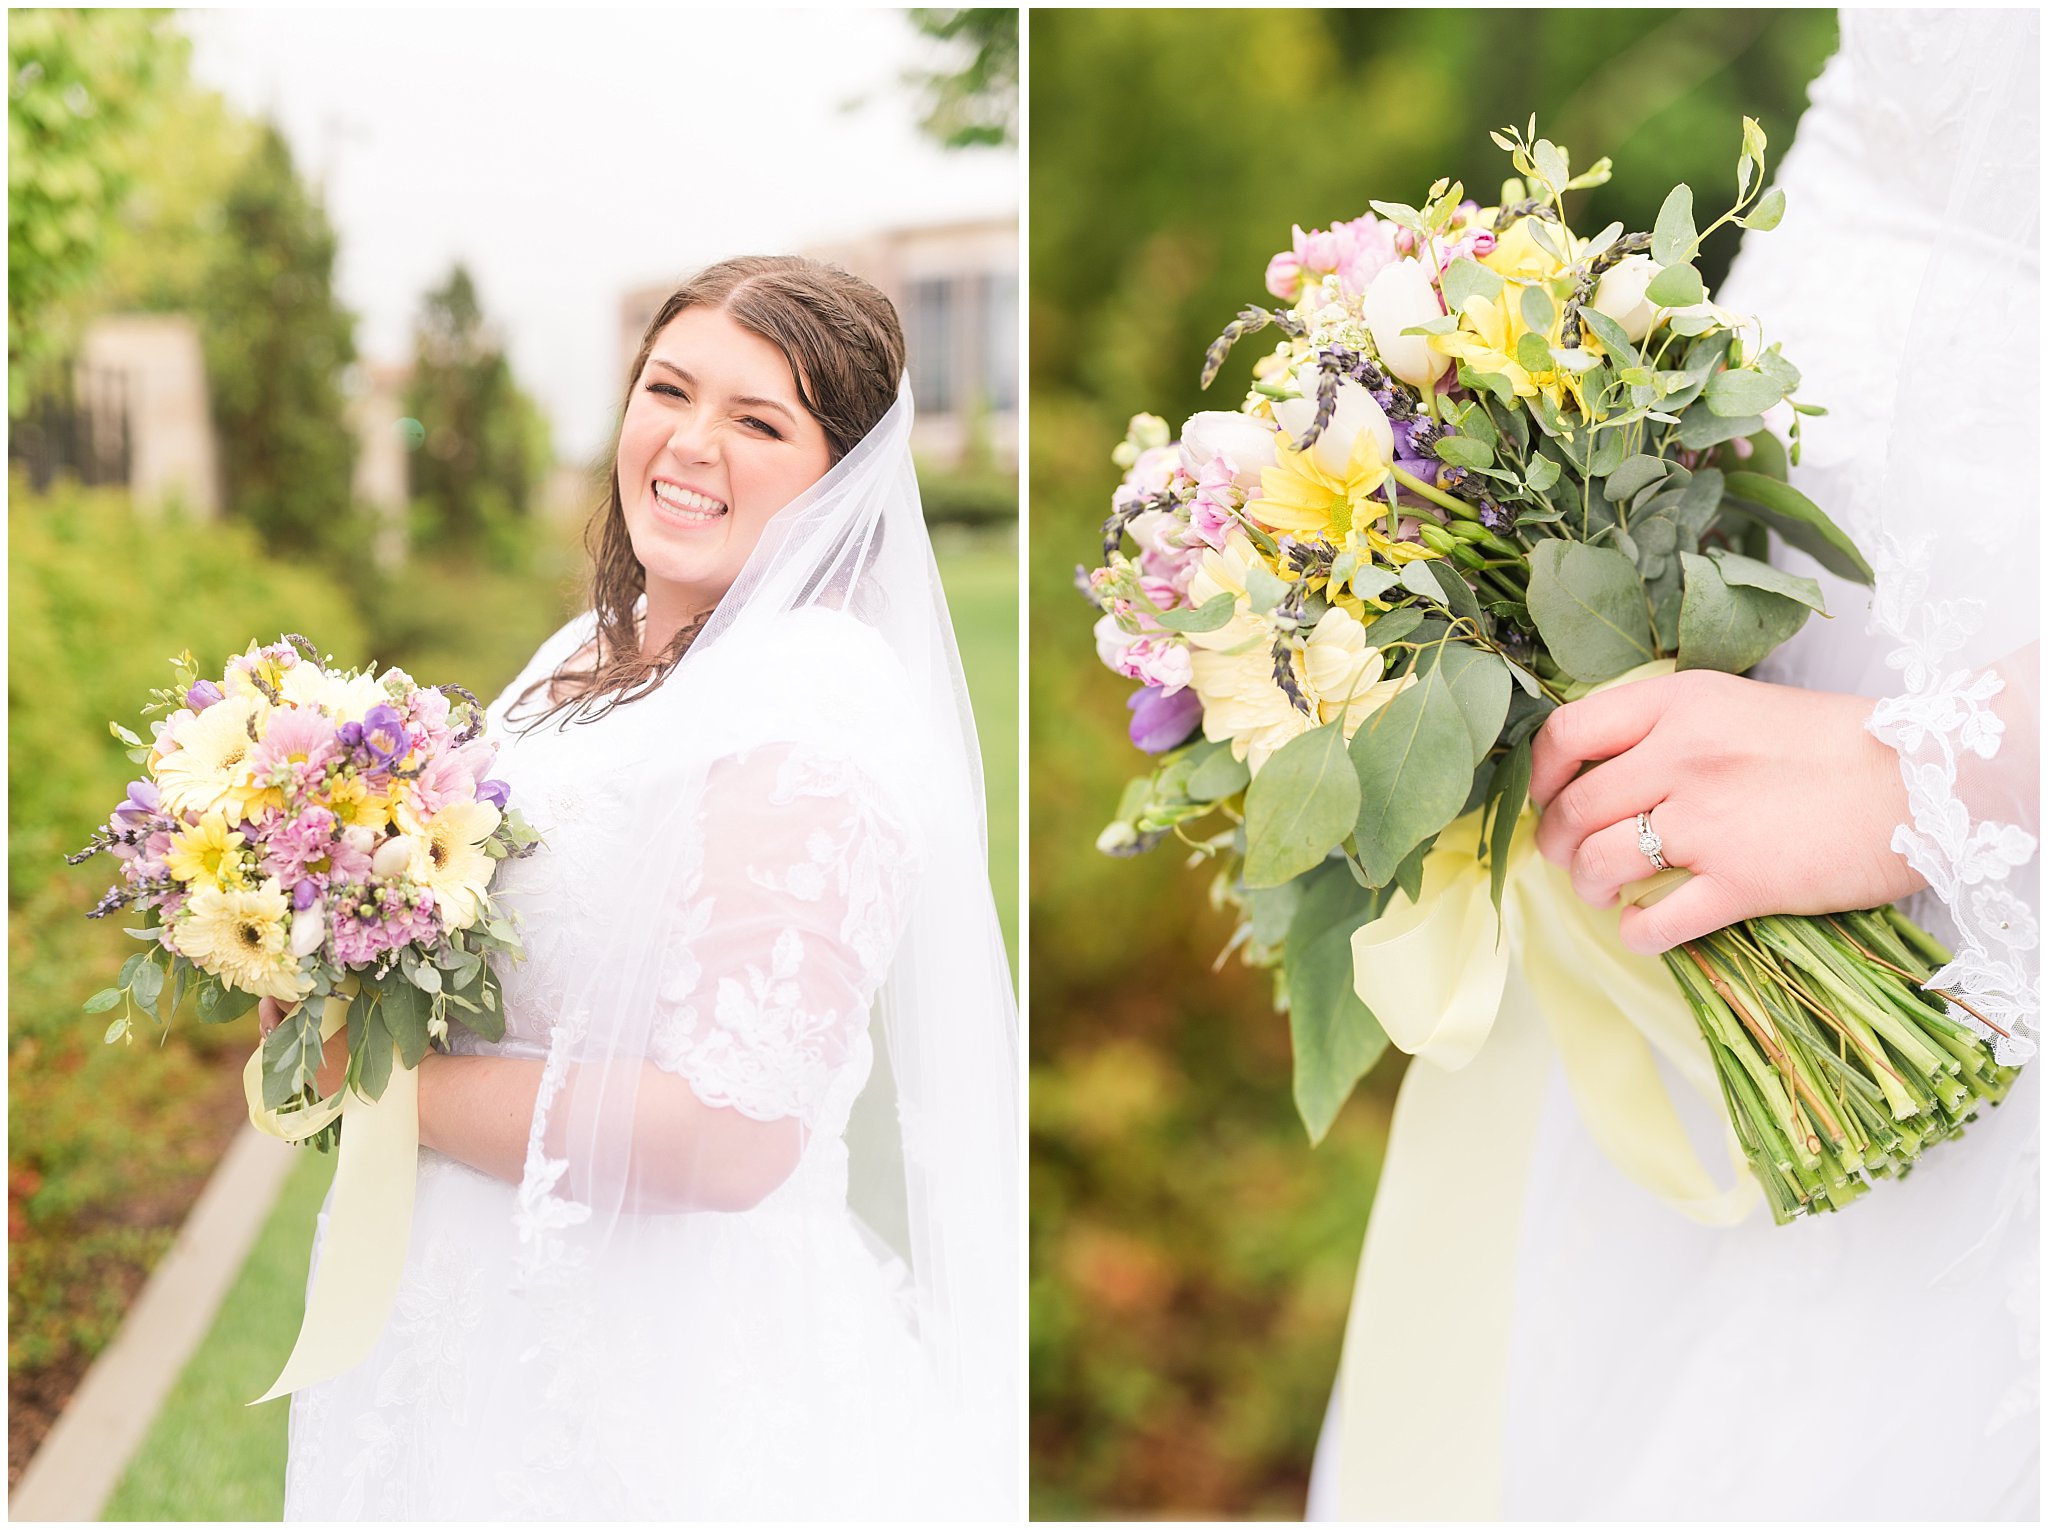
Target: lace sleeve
(804,890)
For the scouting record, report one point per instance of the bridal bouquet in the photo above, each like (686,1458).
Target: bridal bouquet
(1490,466)
(300,832)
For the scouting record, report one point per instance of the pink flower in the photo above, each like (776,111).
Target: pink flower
(426,711)
(362,928)
(302,849)
(452,775)
(1283,276)
(1153,659)
(298,736)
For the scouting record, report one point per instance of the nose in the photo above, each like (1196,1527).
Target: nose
(694,439)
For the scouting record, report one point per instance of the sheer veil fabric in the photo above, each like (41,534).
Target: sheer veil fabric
(1883,1362)
(764,1260)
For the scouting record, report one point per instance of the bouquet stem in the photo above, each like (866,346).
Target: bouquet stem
(1838,1067)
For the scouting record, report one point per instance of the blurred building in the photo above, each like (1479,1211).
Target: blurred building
(955,286)
(133,413)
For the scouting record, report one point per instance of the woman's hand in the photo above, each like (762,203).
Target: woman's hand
(333,1056)
(1774,798)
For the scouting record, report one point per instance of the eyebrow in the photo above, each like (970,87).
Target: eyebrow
(746,400)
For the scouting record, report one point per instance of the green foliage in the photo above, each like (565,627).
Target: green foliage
(975,102)
(968,497)
(1728,626)
(276,341)
(1414,759)
(1336,1038)
(486,447)
(83,96)
(1587,602)
(1801,522)
(1300,807)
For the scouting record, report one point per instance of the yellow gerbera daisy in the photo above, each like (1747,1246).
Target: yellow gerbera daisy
(206,854)
(448,857)
(243,936)
(210,769)
(355,805)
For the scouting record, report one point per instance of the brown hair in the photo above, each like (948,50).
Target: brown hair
(844,346)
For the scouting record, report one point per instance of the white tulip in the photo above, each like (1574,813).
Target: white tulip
(1356,411)
(1620,296)
(1214,433)
(359,839)
(1399,298)
(309,929)
(392,857)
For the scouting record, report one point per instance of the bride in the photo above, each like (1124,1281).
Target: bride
(701,1239)
(1883,1362)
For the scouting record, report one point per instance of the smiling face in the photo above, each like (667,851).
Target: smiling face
(715,440)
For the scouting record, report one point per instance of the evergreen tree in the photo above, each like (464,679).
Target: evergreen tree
(480,465)
(277,342)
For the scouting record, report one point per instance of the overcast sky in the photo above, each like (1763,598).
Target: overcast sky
(569,157)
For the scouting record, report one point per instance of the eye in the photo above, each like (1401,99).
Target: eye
(763,426)
(668,390)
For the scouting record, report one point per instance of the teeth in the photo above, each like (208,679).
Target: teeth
(691,506)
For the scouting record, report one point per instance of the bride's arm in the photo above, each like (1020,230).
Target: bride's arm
(689,1156)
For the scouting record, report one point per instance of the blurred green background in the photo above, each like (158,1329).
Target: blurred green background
(135,191)
(1192,1258)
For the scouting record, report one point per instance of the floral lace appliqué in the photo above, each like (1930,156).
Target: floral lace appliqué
(1942,715)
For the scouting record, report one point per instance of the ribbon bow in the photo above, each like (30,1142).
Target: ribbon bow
(369,1225)
(1483,1001)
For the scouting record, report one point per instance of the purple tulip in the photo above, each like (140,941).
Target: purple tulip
(202,695)
(1160,721)
(495,793)
(305,893)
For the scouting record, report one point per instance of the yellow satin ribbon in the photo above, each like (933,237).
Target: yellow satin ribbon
(369,1220)
(1423,1384)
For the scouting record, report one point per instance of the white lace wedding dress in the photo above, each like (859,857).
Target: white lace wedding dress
(1882,1362)
(755,1362)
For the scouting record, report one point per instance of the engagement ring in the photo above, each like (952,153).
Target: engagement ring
(1648,842)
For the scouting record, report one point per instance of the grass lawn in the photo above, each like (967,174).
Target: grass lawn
(207,1456)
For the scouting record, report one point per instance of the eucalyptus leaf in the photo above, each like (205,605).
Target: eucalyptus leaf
(1589,605)
(1800,522)
(1475,422)
(1742,393)
(1510,791)
(1466,278)
(1766,215)
(373,1062)
(1369,581)
(1676,287)
(1634,475)
(1408,875)
(1532,351)
(1538,312)
(1612,337)
(1465,451)
(1272,910)
(1672,240)
(1414,760)
(1551,164)
(1730,627)
(1213,613)
(147,983)
(1336,1038)
(1752,574)
(1451,588)
(1609,448)
(1264,588)
(1393,626)
(1299,807)
(1478,679)
(103,1001)
(1542,473)
(1700,427)
(1219,776)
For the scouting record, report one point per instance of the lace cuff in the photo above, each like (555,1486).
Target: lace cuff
(774,961)
(1966,745)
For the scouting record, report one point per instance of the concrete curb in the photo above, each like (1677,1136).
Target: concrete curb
(74,1472)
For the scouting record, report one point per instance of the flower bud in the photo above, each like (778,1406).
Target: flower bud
(202,695)
(1620,296)
(309,930)
(392,857)
(1399,298)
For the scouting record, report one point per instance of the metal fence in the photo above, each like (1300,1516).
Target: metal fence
(80,431)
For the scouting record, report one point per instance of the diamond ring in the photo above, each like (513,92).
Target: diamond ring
(1648,842)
